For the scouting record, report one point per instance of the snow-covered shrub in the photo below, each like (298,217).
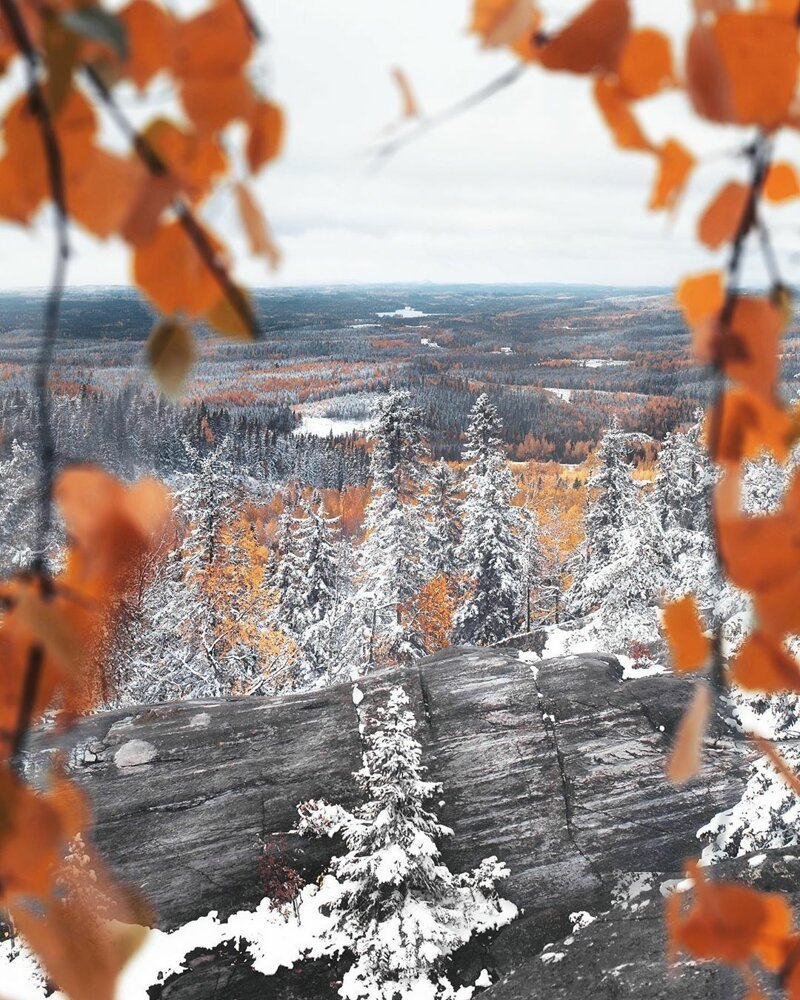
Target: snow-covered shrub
(399,909)
(767,815)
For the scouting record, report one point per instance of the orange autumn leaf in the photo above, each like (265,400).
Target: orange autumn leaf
(150,40)
(782,183)
(746,347)
(645,66)
(169,269)
(760,552)
(685,758)
(775,602)
(118,178)
(675,164)
(730,923)
(34,831)
(617,113)
(742,68)
(196,162)
(215,43)
(255,225)
(265,134)
(213,102)
(723,217)
(761,59)
(25,162)
(592,41)
(701,296)
(155,194)
(706,79)
(762,664)
(750,424)
(688,643)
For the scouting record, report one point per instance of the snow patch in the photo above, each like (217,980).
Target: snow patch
(484,980)
(358,695)
(405,313)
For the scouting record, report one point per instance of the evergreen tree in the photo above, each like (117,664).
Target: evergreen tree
(490,550)
(682,493)
(391,568)
(533,561)
(609,514)
(400,909)
(440,506)
(309,586)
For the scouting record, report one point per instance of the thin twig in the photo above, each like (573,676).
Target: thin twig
(39,108)
(759,153)
(389,148)
(186,217)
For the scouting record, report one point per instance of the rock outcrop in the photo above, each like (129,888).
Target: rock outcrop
(558,771)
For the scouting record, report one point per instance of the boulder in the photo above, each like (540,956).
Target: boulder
(558,769)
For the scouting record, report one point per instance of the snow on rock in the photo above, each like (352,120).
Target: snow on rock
(272,936)
(580,919)
(200,721)
(134,753)
(484,980)
(358,695)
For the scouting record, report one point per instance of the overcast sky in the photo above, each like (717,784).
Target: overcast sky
(525,188)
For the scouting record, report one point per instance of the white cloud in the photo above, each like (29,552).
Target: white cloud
(526,187)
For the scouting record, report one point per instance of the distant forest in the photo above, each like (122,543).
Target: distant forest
(557,362)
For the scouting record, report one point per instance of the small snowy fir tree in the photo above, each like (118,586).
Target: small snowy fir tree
(399,909)
(490,552)
(391,567)
(608,515)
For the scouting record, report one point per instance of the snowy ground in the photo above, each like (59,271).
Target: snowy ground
(405,313)
(565,394)
(325,426)
(273,936)
(571,642)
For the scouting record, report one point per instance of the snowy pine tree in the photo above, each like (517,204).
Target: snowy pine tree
(490,550)
(440,505)
(401,910)
(391,567)
(309,587)
(609,514)
(682,491)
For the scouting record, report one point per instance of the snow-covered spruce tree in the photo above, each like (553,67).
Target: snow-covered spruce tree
(766,816)
(391,566)
(490,553)
(399,910)
(309,587)
(682,491)
(609,513)
(440,506)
